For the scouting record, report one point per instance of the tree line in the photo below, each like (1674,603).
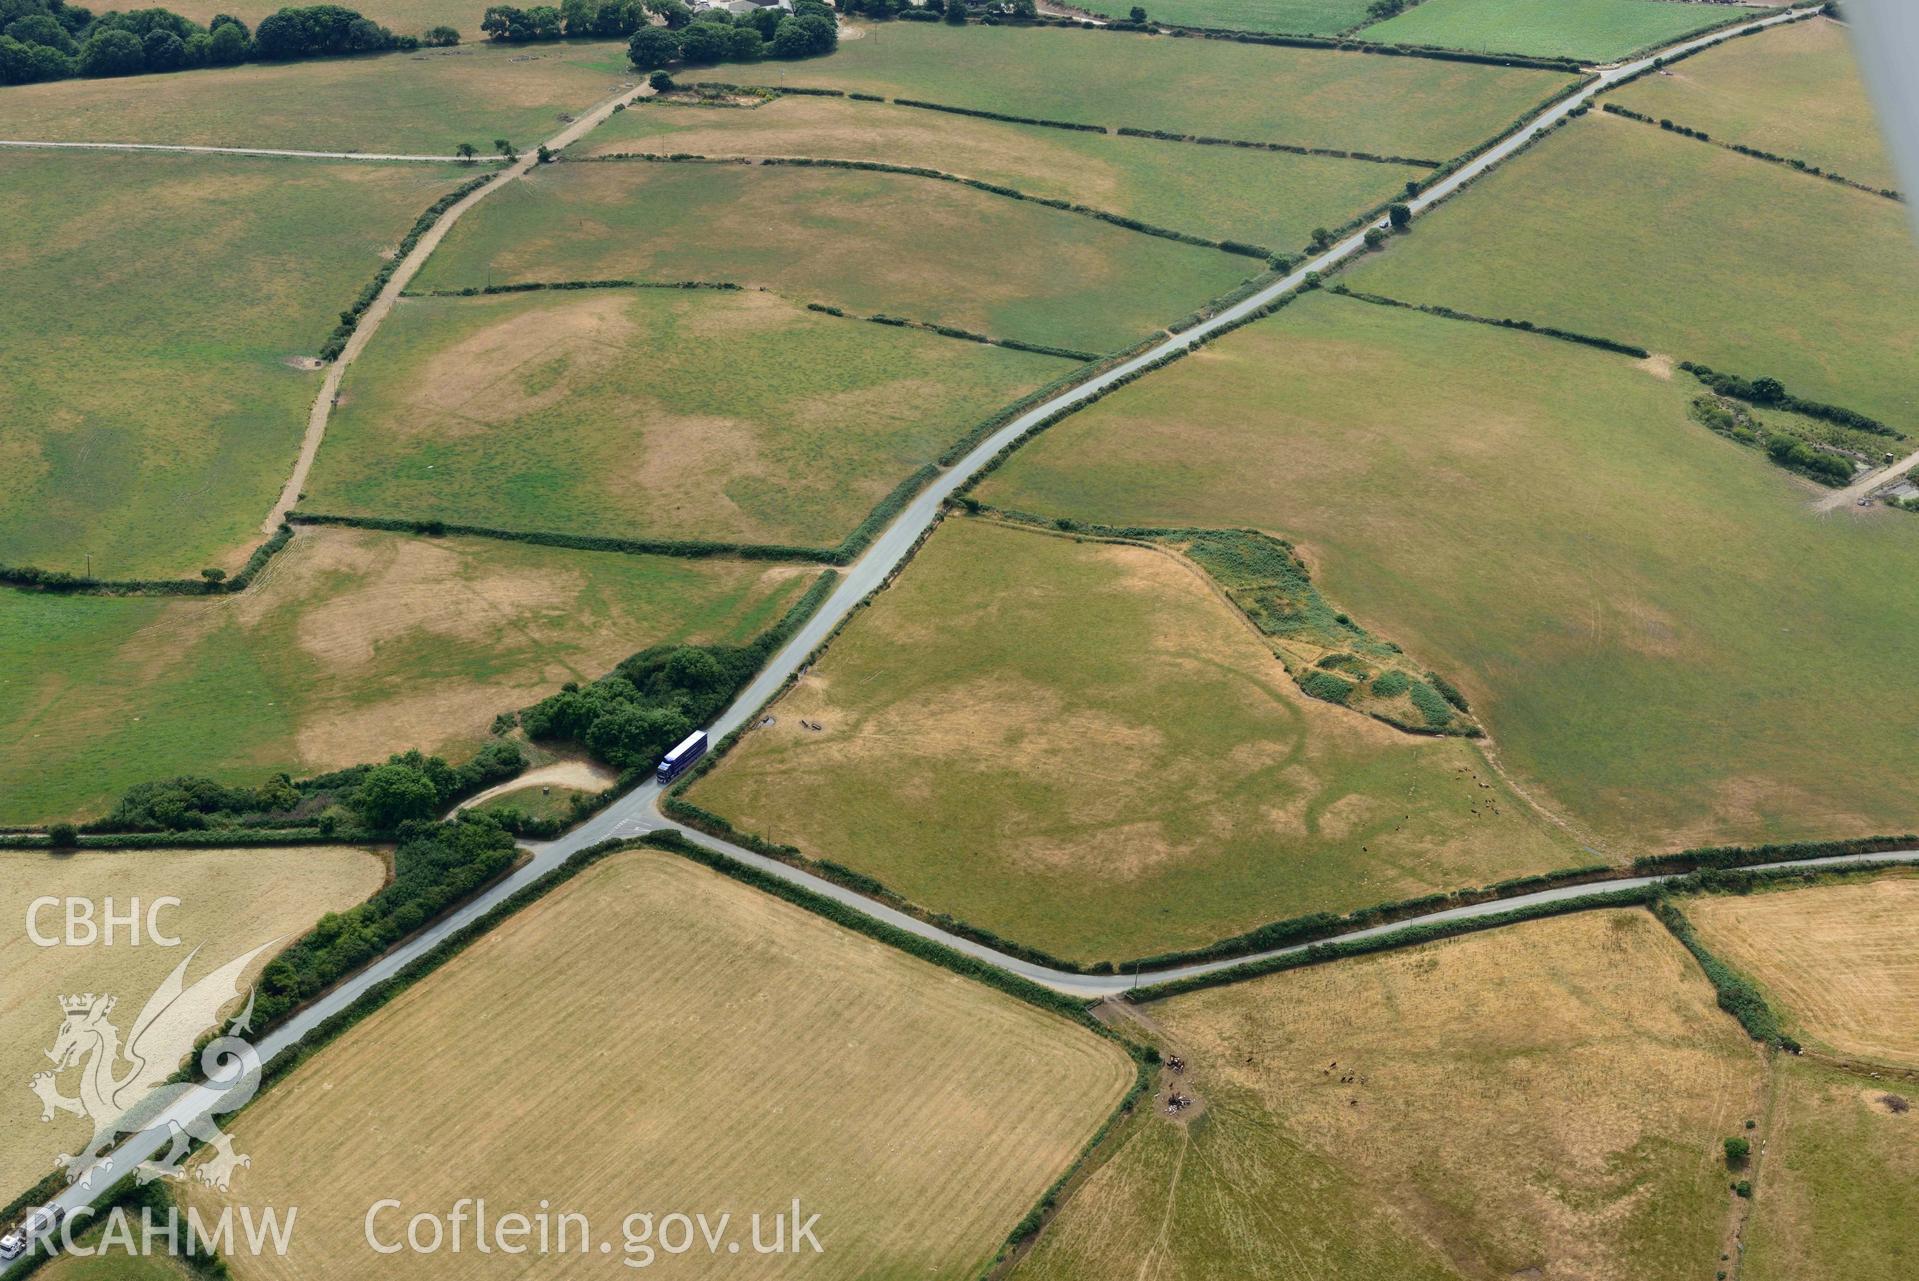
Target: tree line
(54,40)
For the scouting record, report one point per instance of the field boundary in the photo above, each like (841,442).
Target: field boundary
(1341,290)
(729,286)
(59,582)
(1072,126)
(1785,162)
(1238,247)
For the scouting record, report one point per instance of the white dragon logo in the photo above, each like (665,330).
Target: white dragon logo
(136,1099)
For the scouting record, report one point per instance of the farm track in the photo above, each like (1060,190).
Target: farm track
(637,812)
(275,152)
(403,274)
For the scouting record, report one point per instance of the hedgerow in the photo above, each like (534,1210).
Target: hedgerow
(350,318)
(1545,331)
(1237,247)
(1789,162)
(1771,393)
(1737,994)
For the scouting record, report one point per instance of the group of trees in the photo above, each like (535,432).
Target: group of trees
(604,19)
(382,798)
(436,866)
(716,36)
(53,40)
(650,702)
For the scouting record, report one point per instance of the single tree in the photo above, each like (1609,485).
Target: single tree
(214,577)
(956,13)
(1737,1150)
(1138,14)
(1401,216)
(1375,237)
(466,151)
(652,47)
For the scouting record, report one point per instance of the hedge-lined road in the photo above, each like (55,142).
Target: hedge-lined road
(638,811)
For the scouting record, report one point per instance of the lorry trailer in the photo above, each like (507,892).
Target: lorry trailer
(690,749)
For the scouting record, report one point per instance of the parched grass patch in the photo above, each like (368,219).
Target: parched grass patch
(1619,592)
(426,102)
(1595,30)
(350,646)
(1545,1100)
(1268,198)
(1613,228)
(1843,1150)
(230,902)
(1839,963)
(1080,747)
(742,1052)
(1263,93)
(661,413)
(157,307)
(1289,17)
(868,242)
(1794,91)
(115,1263)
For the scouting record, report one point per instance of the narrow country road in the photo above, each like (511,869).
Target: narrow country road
(637,812)
(281,152)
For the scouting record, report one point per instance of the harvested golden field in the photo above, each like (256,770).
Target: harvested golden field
(652,413)
(231,901)
(349,646)
(660,1039)
(1840,1167)
(1082,747)
(1840,962)
(1544,1101)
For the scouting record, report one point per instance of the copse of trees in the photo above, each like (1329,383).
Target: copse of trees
(52,40)
(407,787)
(602,19)
(716,36)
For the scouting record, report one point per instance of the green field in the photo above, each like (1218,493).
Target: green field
(868,242)
(1293,17)
(155,308)
(1267,198)
(662,413)
(1838,1157)
(1592,30)
(1616,228)
(1545,1101)
(349,647)
(426,102)
(1794,91)
(1084,749)
(1621,593)
(1308,97)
